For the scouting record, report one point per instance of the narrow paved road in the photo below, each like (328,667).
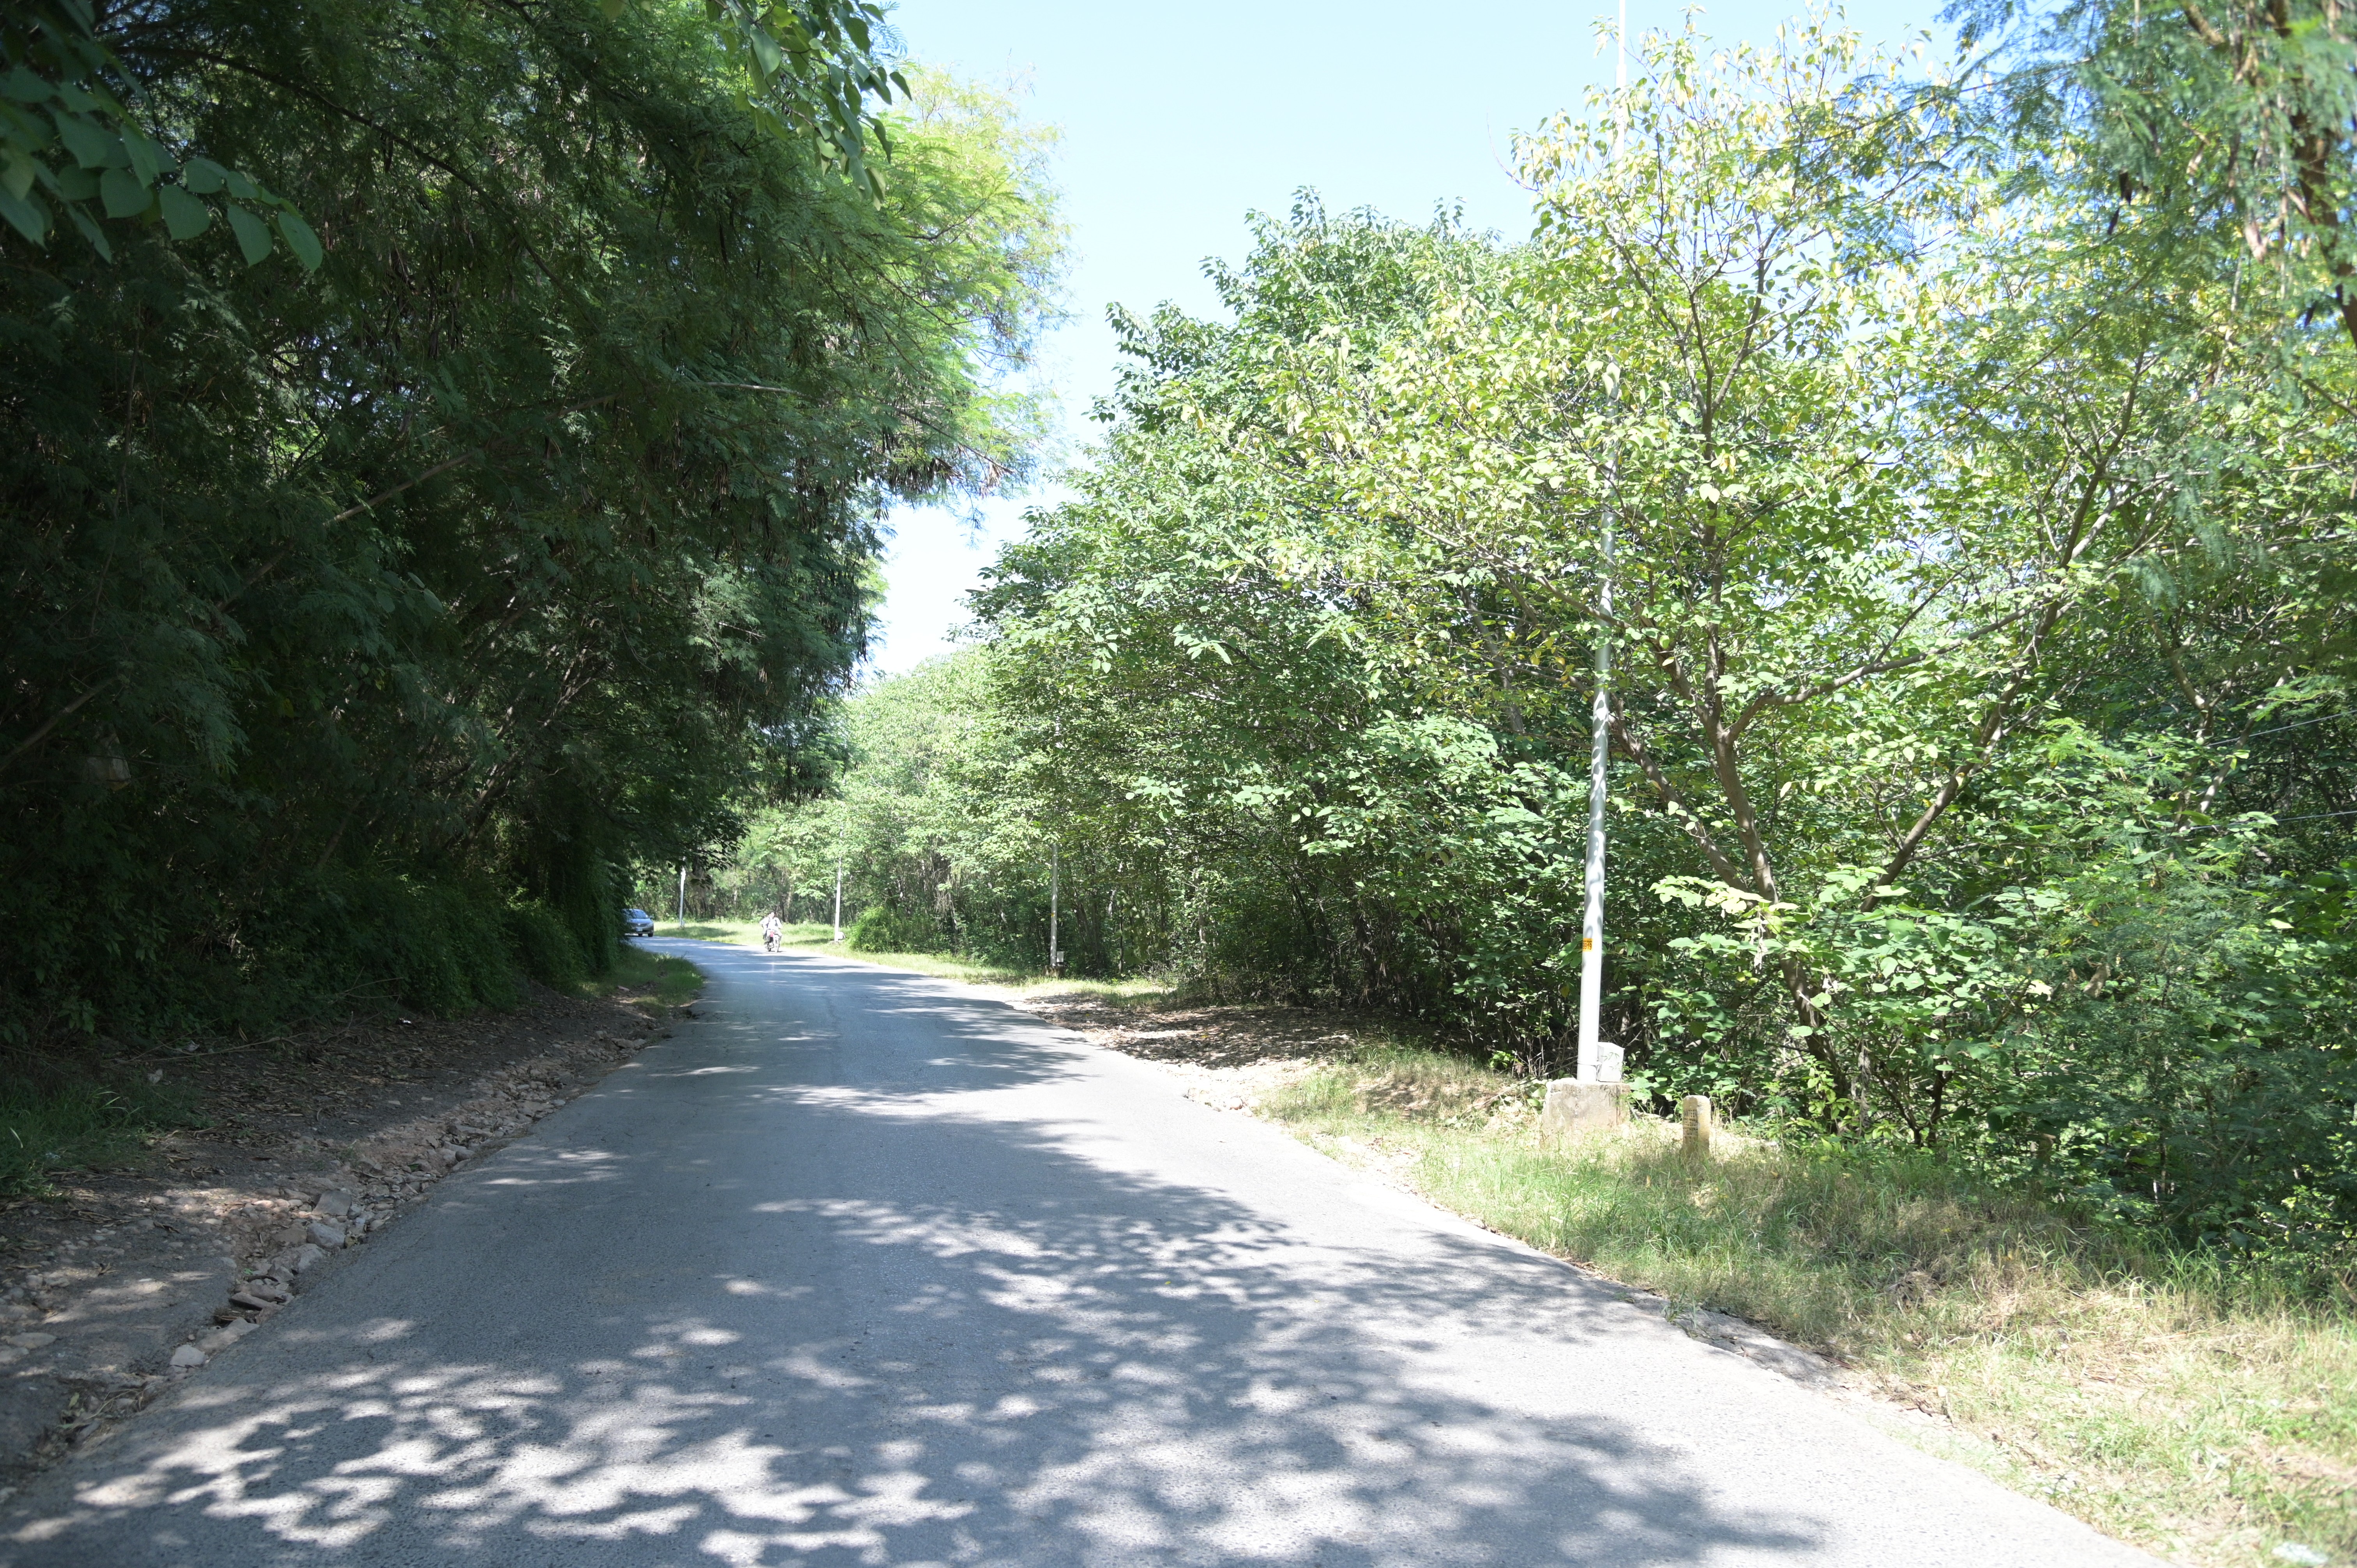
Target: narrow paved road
(868,1270)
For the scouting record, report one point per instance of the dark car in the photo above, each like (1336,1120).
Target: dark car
(638,923)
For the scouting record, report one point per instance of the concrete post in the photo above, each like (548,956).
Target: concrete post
(1578,1107)
(1695,1109)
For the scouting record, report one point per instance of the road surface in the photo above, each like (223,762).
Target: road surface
(867,1269)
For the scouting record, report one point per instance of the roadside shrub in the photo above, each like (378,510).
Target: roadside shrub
(342,939)
(888,929)
(543,944)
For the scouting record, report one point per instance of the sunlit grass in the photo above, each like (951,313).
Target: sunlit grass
(2206,1414)
(639,975)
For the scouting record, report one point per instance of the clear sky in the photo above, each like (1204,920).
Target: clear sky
(1178,120)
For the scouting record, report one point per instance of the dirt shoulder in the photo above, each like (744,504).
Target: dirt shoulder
(1221,1053)
(125,1283)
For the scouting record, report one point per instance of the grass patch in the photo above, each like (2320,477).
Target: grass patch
(639,975)
(76,1123)
(2200,1412)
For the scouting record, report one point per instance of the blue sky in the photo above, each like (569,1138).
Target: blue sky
(1178,120)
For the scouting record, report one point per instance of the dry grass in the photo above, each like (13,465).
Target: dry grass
(2205,1415)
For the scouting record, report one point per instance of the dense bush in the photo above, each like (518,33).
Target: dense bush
(543,945)
(888,929)
(338,941)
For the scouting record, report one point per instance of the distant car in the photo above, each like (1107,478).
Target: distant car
(638,923)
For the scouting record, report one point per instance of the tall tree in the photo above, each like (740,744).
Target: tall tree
(516,540)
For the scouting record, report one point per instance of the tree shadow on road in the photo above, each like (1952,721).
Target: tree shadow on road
(945,1331)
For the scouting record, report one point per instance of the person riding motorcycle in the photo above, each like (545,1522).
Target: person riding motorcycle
(771,932)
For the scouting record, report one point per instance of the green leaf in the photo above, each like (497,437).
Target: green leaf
(300,239)
(184,215)
(147,157)
(124,193)
(253,234)
(766,52)
(90,144)
(73,184)
(16,173)
(612,8)
(25,87)
(90,232)
(204,177)
(28,214)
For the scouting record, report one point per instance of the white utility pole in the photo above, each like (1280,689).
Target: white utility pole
(838,900)
(1599,760)
(1055,889)
(1055,873)
(1599,721)
(682,893)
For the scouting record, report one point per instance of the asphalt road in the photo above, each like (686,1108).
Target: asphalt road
(865,1269)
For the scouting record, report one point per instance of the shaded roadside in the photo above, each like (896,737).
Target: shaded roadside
(117,1284)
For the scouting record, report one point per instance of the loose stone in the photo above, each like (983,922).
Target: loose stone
(221,1338)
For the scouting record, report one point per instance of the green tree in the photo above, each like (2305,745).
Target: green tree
(515,545)
(1955,551)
